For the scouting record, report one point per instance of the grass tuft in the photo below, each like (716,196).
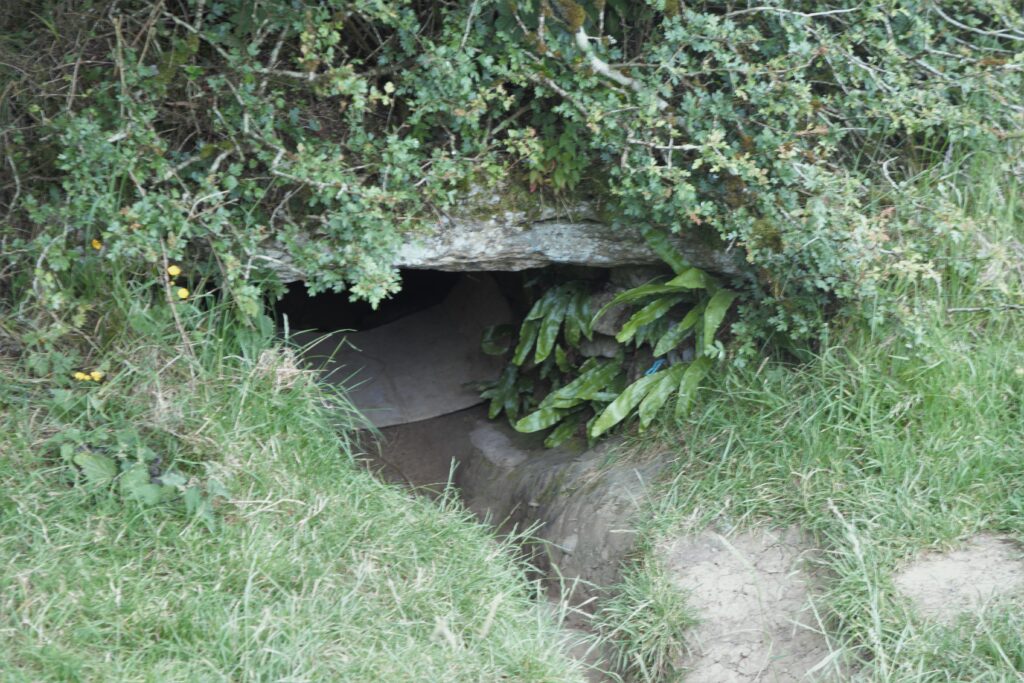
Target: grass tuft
(895,438)
(311,569)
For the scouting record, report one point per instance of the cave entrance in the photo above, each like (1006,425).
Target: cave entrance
(414,368)
(416,357)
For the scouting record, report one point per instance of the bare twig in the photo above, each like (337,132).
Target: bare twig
(73,85)
(218,161)
(200,11)
(670,147)
(272,63)
(885,172)
(542,80)
(179,167)
(780,10)
(986,309)
(469,23)
(17,186)
(169,295)
(602,67)
(320,185)
(1012,35)
(308,76)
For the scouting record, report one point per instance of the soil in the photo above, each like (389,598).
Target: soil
(579,502)
(941,586)
(752,593)
(499,473)
(423,455)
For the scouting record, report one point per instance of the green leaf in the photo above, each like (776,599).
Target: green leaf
(99,470)
(691,278)
(646,315)
(527,337)
(695,372)
(585,387)
(172,478)
(67,452)
(148,494)
(140,321)
(562,360)
(193,499)
(135,476)
(675,336)
(539,419)
(648,334)
(641,292)
(660,243)
(198,505)
(215,489)
(577,319)
(135,485)
(715,313)
(550,325)
(621,407)
(540,306)
(565,430)
(659,393)
(496,339)
(504,393)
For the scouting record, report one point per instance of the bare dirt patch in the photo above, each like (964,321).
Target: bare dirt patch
(752,594)
(944,585)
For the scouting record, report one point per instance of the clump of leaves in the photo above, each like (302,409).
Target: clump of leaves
(230,135)
(596,393)
(120,465)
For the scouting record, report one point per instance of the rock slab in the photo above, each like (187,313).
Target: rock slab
(505,230)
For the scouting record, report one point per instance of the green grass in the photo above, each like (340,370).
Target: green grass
(313,571)
(891,441)
(645,623)
(896,438)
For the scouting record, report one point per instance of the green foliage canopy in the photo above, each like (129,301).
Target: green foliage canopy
(337,128)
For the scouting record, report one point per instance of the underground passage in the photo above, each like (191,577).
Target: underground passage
(415,368)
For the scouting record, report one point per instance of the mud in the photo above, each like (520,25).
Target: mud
(753,594)
(942,586)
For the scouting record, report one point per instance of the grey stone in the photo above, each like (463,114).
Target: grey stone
(601,346)
(628,277)
(494,444)
(611,320)
(507,231)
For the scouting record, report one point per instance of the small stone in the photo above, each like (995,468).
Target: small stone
(601,346)
(611,320)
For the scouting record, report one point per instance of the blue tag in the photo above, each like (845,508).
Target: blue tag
(658,365)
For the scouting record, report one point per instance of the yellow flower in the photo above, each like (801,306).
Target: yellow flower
(173,270)
(97,375)
(82,377)
(182,293)
(97,245)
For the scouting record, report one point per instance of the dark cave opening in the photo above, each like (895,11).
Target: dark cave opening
(421,289)
(331,311)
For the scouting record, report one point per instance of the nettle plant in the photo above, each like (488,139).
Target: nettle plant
(220,133)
